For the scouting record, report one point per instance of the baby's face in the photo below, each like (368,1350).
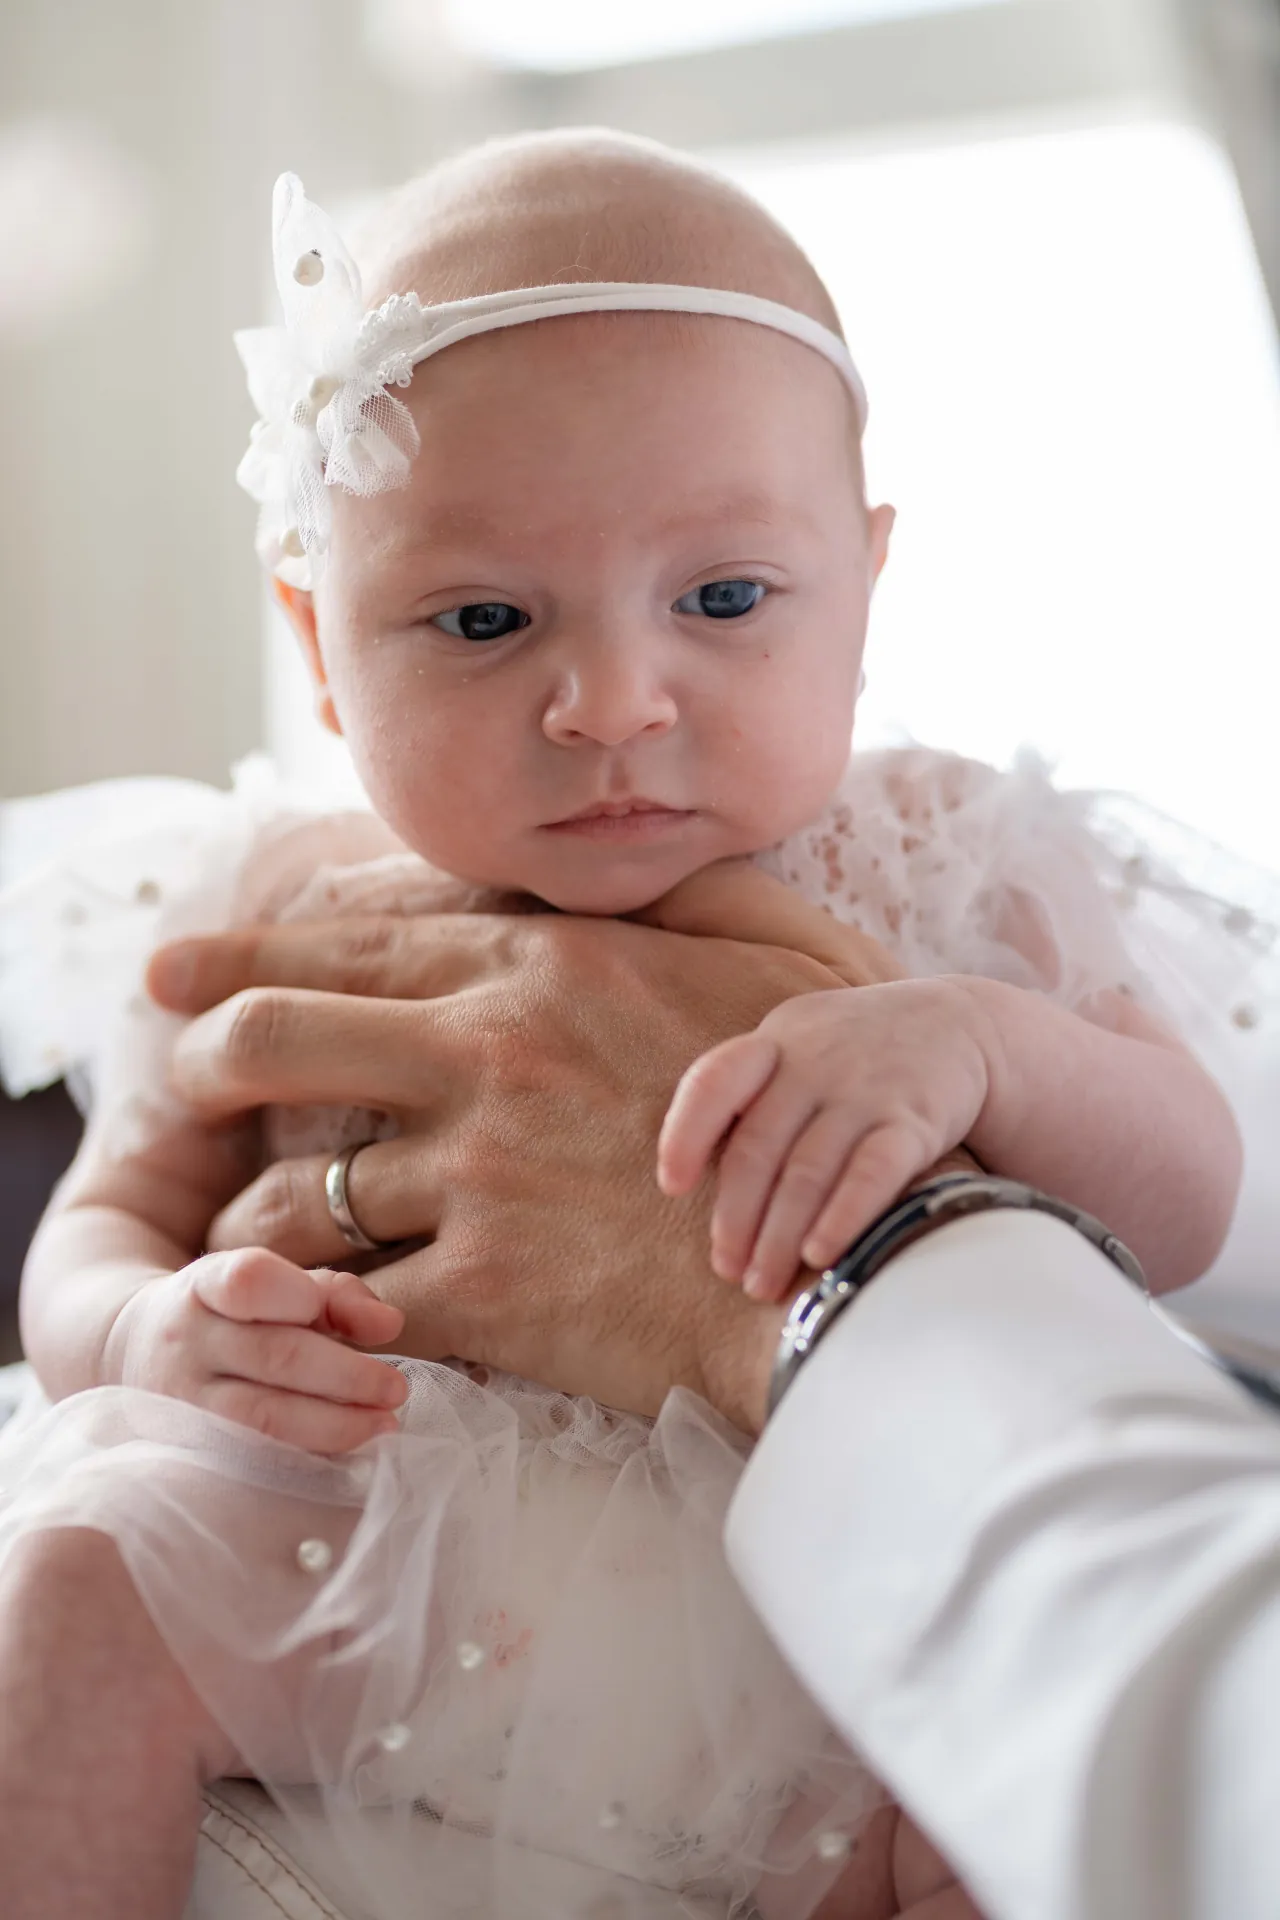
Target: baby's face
(612,628)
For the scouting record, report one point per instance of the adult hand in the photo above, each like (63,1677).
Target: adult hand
(528,1062)
(529,1087)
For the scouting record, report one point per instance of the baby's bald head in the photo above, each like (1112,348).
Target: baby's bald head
(581,205)
(632,553)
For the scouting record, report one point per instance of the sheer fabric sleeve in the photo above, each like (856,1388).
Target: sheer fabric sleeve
(93,879)
(959,868)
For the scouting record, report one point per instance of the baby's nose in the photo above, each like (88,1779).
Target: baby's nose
(607,702)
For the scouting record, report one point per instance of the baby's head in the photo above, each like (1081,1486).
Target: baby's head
(611,627)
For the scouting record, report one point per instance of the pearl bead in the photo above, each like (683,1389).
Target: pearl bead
(612,1816)
(470,1656)
(395,1738)
(315,1556)
(147,893)
(308,269)
(834,1846)
(322,389)
(292,544)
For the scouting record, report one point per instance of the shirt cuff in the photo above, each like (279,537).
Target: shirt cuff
(995,1495)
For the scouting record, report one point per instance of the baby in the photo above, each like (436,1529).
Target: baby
(588,603)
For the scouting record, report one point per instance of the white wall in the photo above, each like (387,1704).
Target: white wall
(129,598)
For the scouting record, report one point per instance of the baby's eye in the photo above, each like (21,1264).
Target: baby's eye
(482,620)
(722,599)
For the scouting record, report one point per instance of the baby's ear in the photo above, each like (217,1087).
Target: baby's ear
(300,611)
(880,524)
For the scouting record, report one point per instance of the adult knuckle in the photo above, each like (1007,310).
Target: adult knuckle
(279,1200)
(366,946)
(256,1023)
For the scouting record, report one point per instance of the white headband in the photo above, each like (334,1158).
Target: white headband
(320,381)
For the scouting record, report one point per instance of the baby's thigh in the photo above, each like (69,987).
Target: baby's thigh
(81,1658)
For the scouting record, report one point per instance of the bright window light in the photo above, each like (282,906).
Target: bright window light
(1076,408)
(562,35)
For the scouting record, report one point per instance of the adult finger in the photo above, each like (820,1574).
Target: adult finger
(352,1312)
(293,1047)
(319,1426)
(710,1097)
(382,956)
(302,1361)
(395,1189)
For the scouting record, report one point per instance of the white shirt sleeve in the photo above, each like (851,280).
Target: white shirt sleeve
(1024,1547)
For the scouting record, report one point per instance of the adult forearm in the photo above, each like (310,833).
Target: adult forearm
(1131,1129)
(1025,1548)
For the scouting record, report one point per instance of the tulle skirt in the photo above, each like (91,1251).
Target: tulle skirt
(494,1663)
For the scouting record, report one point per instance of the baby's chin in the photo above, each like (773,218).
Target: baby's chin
(606,901)
(609,891)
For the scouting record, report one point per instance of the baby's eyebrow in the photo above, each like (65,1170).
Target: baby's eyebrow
(755,509)
(455,528)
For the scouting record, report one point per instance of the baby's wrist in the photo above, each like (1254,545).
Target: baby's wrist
(112,1369)
(995,1017)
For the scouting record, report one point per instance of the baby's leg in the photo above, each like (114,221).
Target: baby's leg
(104,1748)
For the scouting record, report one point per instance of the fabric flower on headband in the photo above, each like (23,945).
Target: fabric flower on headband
(320,383)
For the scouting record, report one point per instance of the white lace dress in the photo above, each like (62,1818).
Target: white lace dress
(512,1618)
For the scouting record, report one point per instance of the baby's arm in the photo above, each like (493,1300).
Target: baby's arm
(838,1100)
(116,1292)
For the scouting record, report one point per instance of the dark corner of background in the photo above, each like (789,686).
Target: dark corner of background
(38,1137)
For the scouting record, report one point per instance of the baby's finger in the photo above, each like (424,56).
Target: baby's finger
(749,1168)
(253,1284)
(318,1426)
(804,1186)
(881,1166)
(354,1312)
(709,1098)
(304,1361)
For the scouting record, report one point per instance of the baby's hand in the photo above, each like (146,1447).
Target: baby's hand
(256,1339)
(828,1110)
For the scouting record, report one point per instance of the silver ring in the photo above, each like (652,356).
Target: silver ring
(335,1193)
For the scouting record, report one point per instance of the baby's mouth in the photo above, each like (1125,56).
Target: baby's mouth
(635,818)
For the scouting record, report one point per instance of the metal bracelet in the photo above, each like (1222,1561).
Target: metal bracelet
(950,1197)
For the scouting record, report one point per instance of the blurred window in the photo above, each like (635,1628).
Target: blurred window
(561,35)
(1076,408)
